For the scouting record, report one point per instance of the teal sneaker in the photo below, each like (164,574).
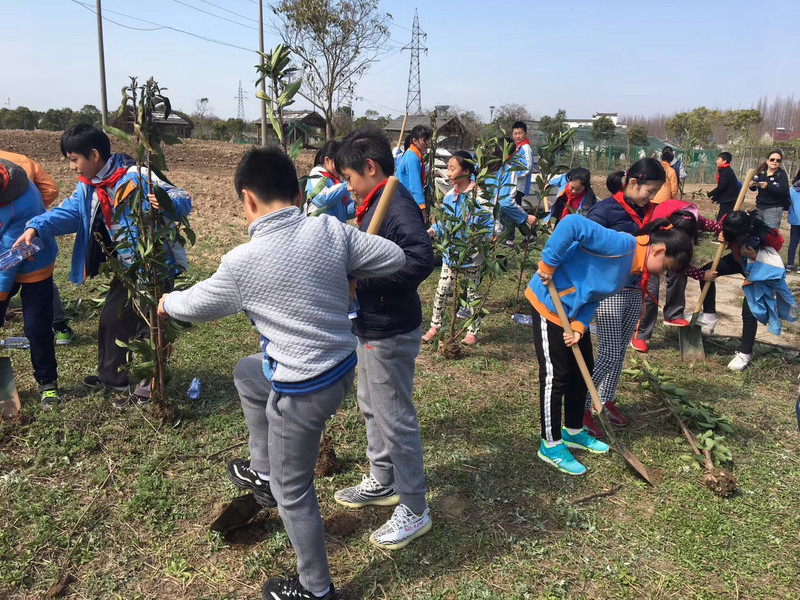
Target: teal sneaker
(560,457)
(583,441)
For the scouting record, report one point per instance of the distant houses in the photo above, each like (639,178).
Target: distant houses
(452,134)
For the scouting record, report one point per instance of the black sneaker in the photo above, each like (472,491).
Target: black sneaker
(93,382)
(242,476)
(279,588)
(132,400)
(49,397)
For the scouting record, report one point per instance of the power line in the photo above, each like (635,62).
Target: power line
(228,10)
(160,26)
(94,12)
(216,16)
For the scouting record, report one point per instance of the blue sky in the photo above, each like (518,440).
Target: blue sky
(584,56)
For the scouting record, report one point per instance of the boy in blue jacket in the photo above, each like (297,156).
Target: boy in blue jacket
(389,330)
(32,278)
(90,212)
(586,263)
(411,166)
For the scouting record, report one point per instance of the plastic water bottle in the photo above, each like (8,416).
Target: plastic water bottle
(20,343)
(353,307)
(193,393)
(521,319)
(13,257)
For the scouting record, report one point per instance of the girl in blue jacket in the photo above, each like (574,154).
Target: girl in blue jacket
(331,197)
(587,263)
(460,169)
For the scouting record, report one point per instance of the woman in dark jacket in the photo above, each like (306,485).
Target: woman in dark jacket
(772,184)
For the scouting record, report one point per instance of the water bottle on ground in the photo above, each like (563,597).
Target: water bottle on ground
(20,343)
(193,393)
(521,319)
(13,257)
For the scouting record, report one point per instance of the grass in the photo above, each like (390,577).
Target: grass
(123,502)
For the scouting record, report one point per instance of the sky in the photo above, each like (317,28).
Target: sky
(584,56)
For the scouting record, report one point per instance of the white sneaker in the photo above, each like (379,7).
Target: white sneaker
(707,321)
(368,492)
(403,527)
(739,362)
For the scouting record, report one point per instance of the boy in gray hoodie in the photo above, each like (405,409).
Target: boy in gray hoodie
(298,303)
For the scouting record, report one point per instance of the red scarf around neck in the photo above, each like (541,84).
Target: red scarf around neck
(719,168)
(523,142)
(364,207)
(645,281)
(422,171)
(573,202)
(102,191)
(620,198)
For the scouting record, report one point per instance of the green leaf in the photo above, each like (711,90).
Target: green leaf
(119,134)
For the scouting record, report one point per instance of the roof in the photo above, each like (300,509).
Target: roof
(782,135)
(414,120)
(173,119)
(307,117)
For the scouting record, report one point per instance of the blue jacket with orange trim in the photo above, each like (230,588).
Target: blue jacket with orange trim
(588,263)
(13,217)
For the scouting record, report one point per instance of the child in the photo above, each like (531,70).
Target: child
(575,195)
(628,210)
(669,189)
(794,223)
(686,217)
(460,170)
(332,199)
(586,263)
(306,368)
(49,190)
(389,329)
(90,213)
(728,185)
(524,155)
(411,166)
(33,279)
(745,235)
(500,183)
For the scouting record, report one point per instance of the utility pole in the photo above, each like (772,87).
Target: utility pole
(103,100)
(414,96)
(263,82)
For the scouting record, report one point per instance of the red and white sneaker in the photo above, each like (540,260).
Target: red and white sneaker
(591,425)
(615,417)
(679,322)
(639,345)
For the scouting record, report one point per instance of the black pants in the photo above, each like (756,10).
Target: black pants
(559,377)
(724,209)
(37,313)
(730,266)
(518,196)
(118,321)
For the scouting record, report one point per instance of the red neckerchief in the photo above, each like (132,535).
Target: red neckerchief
(422,170)
(719,168)
(573,202)
(620,198)
(102,191)
(523,142)
(362,210)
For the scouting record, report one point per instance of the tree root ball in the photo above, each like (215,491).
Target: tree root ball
(450,349)
(327,463)
(720,482)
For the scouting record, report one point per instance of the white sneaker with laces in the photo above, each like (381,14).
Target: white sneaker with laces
(368,492)
(707,321)
(403,527)
(739,362)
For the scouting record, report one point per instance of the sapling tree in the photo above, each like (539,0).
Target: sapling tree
(139,260)
(281,90)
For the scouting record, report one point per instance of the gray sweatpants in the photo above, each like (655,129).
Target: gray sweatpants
(394,447)
(284,441)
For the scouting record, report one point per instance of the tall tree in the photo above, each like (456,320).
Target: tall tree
(554,125)
(603,129)
(636,134)
(335,42)
(505,116)
(739,124)
(694,128)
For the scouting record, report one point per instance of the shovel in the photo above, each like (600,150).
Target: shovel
(241,510)
(9,398)
(690,339)
(597,404)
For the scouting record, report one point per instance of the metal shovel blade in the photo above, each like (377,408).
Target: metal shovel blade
(237,514)
(690,340)
(9,398)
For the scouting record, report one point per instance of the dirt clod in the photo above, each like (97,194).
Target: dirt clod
(327,463)
(342,524)
(720,481)
(450,349)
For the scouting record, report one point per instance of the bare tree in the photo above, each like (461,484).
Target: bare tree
(335,41)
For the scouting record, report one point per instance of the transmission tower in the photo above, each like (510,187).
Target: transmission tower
(414,96)
(240,96)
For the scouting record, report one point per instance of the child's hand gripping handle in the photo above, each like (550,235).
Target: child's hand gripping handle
(587,377)
(740,198)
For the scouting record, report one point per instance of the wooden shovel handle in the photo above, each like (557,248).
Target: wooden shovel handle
(587,377)
(402,131)
(745,184)
(383,205)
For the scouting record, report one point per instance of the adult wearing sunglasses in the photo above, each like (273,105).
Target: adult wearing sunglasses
(772,184)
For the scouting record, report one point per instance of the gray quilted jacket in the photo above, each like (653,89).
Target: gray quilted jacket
(291,281)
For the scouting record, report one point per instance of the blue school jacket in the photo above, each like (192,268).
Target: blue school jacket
(588,263)
(502,188)
(454,204)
